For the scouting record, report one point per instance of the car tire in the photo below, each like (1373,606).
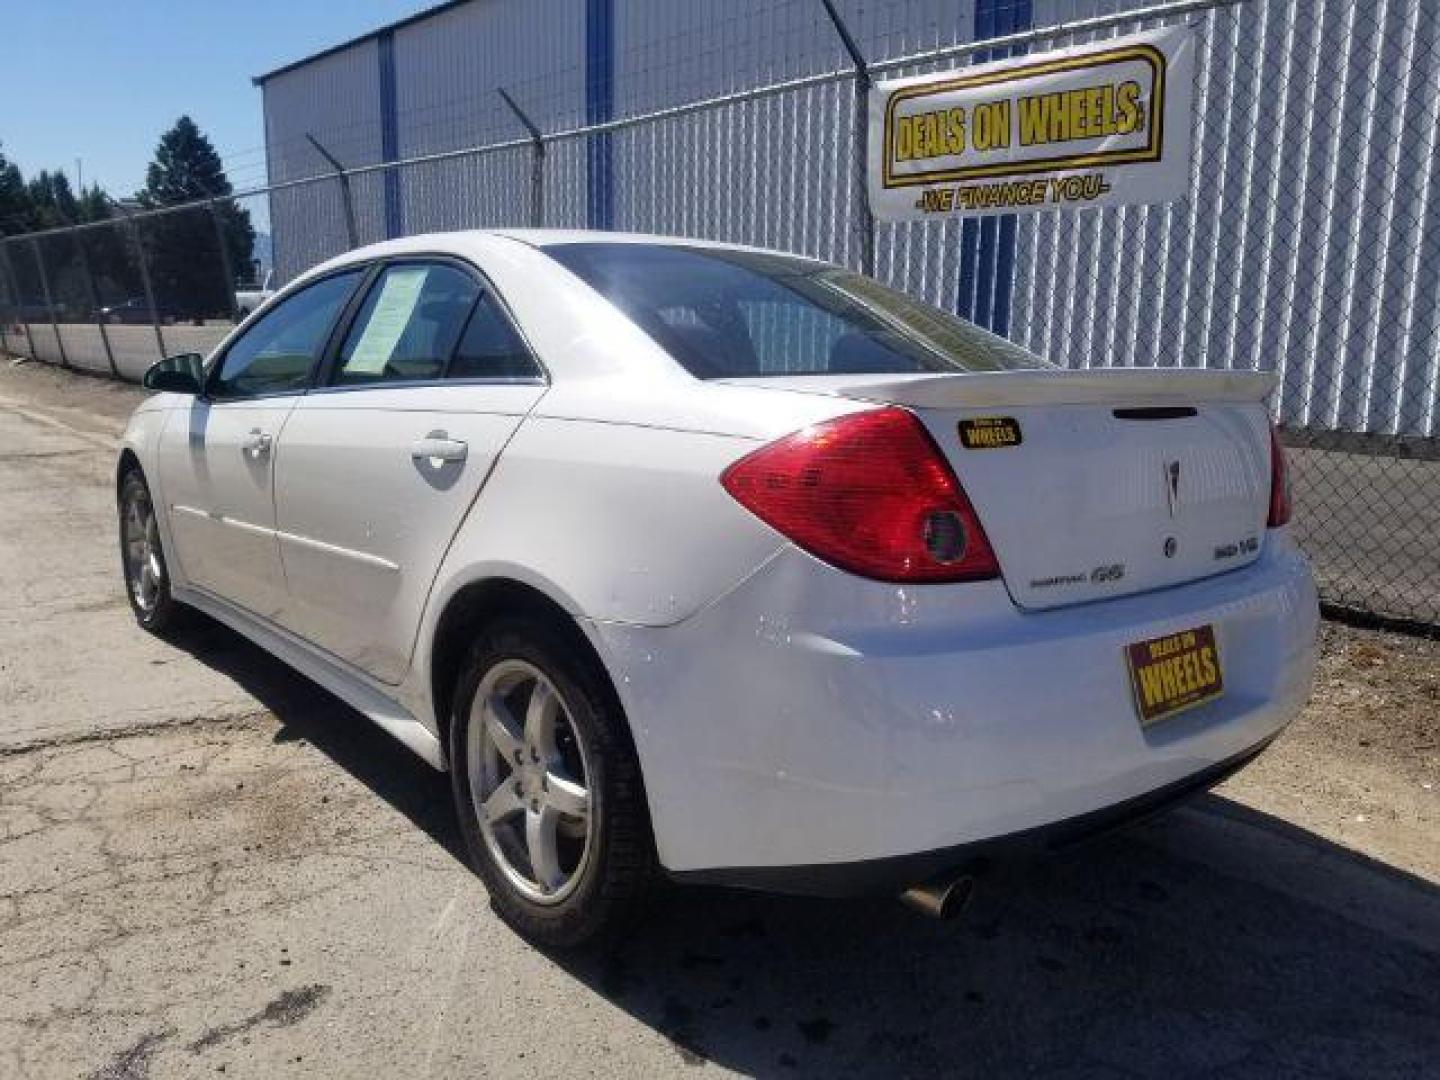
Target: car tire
(142,558)
(598,877)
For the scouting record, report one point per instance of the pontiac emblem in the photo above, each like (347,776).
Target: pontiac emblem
(1172,485)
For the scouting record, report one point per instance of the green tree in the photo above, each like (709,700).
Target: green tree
(111,255)
(54,206)
(185,261)
(16,213)
(52,200)
(94,204)
(46,201)
(14,218)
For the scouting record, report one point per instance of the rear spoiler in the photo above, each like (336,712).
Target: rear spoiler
(1041,386)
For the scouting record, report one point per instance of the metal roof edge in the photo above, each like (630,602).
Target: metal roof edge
(360,39)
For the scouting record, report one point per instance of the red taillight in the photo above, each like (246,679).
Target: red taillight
(870,493)
(1279,483)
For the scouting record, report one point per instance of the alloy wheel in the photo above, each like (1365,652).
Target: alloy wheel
(144,572)
(530,781)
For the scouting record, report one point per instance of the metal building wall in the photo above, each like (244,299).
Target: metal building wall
(781,169)
(337,99)
(1308,244)
(1304,245)
(447,69)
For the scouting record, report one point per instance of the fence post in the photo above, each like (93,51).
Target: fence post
(225,267)
(19,300)
(537,161)
(94,299)
(49,301)
(344,179)
(144,265)
(862,138)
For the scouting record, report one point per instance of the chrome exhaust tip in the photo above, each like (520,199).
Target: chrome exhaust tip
(942,898)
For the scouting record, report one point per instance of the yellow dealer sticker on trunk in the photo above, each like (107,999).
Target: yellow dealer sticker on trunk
(989,432)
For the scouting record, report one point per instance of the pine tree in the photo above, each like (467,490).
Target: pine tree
(186,266)
(94,204)
(15,208)
(109,250)
(52,201)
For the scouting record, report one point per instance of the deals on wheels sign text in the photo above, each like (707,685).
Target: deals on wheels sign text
(1090,126)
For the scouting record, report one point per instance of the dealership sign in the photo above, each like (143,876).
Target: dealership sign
(1091,126)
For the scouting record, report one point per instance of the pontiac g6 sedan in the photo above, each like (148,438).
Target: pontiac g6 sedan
(727,564)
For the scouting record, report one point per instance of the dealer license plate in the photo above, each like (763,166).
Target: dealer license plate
(1173,673)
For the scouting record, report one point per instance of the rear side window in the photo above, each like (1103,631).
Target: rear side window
(276,355)
(732,314)
(408,326)
(490,348)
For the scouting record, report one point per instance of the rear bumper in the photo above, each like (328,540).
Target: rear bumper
(898,872)
(811,722)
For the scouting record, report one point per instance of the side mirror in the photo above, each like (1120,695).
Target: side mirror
(181,374)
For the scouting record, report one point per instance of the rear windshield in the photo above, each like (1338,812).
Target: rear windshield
(733,314)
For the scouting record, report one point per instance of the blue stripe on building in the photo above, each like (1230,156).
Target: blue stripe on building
(599,108)
(389,134)
(987,244)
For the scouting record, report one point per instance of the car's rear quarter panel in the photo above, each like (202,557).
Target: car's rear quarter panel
(615,522)
(814,717)
(623,521)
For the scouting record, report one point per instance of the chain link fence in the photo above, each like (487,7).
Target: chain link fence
(1309,243)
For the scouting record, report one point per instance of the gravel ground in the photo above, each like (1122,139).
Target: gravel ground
(1361,765)
(208,866)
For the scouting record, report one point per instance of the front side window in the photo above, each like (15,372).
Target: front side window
(732,314)
(277,354)
(408,326)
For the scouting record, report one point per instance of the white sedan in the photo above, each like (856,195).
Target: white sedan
(712,561)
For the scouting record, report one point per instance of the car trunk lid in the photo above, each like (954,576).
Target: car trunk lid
(1096,484)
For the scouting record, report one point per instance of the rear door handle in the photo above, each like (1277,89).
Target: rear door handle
(257,442)
(435,448)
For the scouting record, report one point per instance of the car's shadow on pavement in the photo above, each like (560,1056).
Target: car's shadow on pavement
(1213,942)
(1216,941)
(307,711)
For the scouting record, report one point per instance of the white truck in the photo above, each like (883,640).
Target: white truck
(248,299)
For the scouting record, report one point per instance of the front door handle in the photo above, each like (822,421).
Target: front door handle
(438,448)
(257,443)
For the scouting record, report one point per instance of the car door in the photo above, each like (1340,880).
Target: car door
(377,468)
(216,455)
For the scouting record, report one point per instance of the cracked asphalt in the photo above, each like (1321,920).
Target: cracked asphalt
(208,866)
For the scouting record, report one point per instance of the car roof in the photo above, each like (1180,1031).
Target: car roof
(556,237)
(579,332)
(474,243)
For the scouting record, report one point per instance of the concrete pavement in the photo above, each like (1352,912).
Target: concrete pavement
(70,661)
(281,897)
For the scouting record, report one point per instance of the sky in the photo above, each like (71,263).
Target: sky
(99,80)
